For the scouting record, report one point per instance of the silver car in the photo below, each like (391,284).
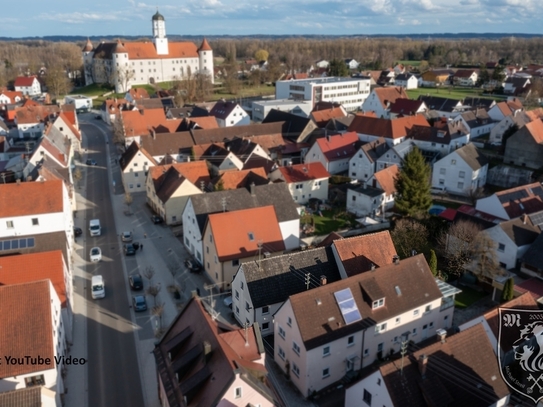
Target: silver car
(126,236)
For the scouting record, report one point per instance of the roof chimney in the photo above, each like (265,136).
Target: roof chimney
(372,266)
(396,259)
(441,334)
(323,280)
(423,361)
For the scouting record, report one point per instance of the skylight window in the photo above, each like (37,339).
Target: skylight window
(347,305)
(398,291)
(251,236)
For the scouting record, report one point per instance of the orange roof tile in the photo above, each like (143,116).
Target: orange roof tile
(65,116)
(147,50)
(536,130)
(12,95)
(205,46)
(304,172)
(138,93)
(31,198)
(24,81)
(391,129)
(321,117)
(143,122)
(386,178)
(29,114)
(338,146)
(252,226)
(237,179)
(54,151)
(194,171)
(27,326)
(25,268)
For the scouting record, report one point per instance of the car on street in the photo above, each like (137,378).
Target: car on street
(136,282)
(139,303)
(156,219)
(129,250)
(228,301)
(77,231)
(95,254)
(98,117)
(126,236)
(91,162)
(193,266)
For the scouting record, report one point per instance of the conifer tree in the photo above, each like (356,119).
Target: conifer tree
(412,184)
(508,290)
(432,263)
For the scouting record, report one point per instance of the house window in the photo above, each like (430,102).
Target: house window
(242,285)
(281,332)
(380,347)
(136,174)
(35,381)
(247,306)
(325,373)
(281,353)
(378,303)
(398,320)
(215,259)
(428,309)
(366,352)
(441,182)
(296,370)
(296,348)
(442,171)
(414,331)
(237,294)
(460,185)
(462,174)
(9,224)
(354,198)
(289,321)
(350,340)
(501,247)
(237,310)
(416,312)
(135,164)
(453,162)
(265,326)
(326,351)
(235,262)
(238,392)
(35,222)
(380,328)
(210,238)
(367,397)
(265,310)
(207,249)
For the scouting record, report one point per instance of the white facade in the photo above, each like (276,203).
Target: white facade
(349,92)
(492,206)
(241,393)
(362,202)
(81,103)
(454,174)
(499,129)
(373,384)
(361,167)
(373,104)
(303,191)
(410,83)
(506,249)
(32,90)
(237,117)
(135,173)
(263,107)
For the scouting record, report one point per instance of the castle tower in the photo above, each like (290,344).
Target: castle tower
(88,54)
(205,54)
(159,34)
(123,73)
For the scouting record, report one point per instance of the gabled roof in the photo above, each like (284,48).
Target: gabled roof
(167,178)
(56,151)
(303,172)
(222,110)
(145,122)
(253,226)
(386,178)
(138,93)
(375,149)
(24,81)
(440,104)
(31,198)
(169,183)
(471,155)
(168,143)
(30,114)
(27,326)
(525,199)
(535,130)
(461,371)
(26,268)
(464,73)
(406,107)
(275,279)
(360,253)
(204,122)
(476,102)
(147,50)
(391,129)
(198,358)
(390,94)
(131,152)
(205,136)
(319,317)
(242,179)
(12,95)
(322,117)
(520,230)
(292,125)
(65,116)
(339,146)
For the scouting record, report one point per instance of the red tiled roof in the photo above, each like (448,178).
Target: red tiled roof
(390,94)
(386,178)
(12,95)
(25,268)
(464,73)
(322,117)
(24,81)
(65,117)
(339,146)
(536,130)
(529,204)
(405,107)
(29,114)
(147,50)
(138,93)
(205,46)
(194,171)
(391,129)
(143,122)
(54,151)
(304,172)
(252,226)
(27,326)
(31,198)
(238,179)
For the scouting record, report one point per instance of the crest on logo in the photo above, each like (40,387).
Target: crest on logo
(520,351)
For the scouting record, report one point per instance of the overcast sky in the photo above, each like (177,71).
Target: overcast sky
(245,17)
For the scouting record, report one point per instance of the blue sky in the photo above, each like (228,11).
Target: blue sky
(245,17)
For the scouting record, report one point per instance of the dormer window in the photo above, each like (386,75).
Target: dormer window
(378,303)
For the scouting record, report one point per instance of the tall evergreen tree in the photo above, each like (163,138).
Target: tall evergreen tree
(432,263)
(412,184)
(508,290)
(338,67)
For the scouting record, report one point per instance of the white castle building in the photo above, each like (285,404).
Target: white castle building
(136,63)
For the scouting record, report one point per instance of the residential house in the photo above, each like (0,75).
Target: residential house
(436,77)
(406,107)
(395,156)
(441,372)
(134,94)
(139,124)
(293,126)
(63,124)
(8,97)
(380,99)
(351,64)
(525,146)
(503,109)
(514,202)
(322,116)
(384,180)
(111,109)
(362,165)
(50,265)
(442,138)
(169,186)
(393,131)
(406,80)
(334,152)
(465,77)
(27,85)
(201,361)
(30,315)
(443,107)
(52,146)
(322,63)
(476,123)
(31,120)
(260,287)
(363,200)
(305,181)
(199,207)
(257,233)
(479,103)
(229,114)
(461,172)
(532,261)
(239,179)
(324,333)
(135,164)
(250,153)
(193,123)
(386,77)
(517,85)
(360,254)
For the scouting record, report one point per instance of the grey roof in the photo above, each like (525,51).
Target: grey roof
(168,143)
(471,155)
(277,278)
(277,195)
(479,102)
(439,103)
(206,136)
(534,255)
(366,190)
(520,230)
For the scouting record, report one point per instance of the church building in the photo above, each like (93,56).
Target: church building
(136,63)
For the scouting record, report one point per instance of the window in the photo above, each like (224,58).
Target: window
(398,320)
(237,294)
(378,303)
(354,198)
(367,397)
(235,262)
(215,259)
(366,352)
(210,238)
(238,392)
(428,308)
(281,353)
(380,328)
(416,312)
(501,247)
(9,224)
(281,332)
(325,373)
(295,348)
(265,326)
(326,351)
(296,370)
(289,321)
(266,310)
(242,285)
(453,162)
(414,331)
(460,185)
(380,347)
(237,310)
(35,381)
(442,171)
(462,174)
(247,308)
(350,340)
(35,222)
(207,249)
(136,174)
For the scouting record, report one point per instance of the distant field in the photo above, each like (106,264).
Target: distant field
(412,63)
(454,93)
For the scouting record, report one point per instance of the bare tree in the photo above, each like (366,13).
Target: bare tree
(119,136)
(128,199)
(154,290)
(485,263)
(77,176)
(124,75)
(409,234)
(149,273)
(158,311)
(173,267)
(57,81)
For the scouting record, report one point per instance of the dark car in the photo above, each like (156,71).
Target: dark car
(193,266)
(98,117)
(77,231)
(139,303)
(129,250)
(156,219)
(136,282)
(91,162)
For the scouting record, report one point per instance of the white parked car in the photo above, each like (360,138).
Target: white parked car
(95,254)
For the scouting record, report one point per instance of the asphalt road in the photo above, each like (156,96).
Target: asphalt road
(113,371)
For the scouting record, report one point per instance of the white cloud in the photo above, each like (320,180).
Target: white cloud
(79,18)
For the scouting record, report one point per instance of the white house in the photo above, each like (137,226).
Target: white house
(351,63)
(305,181)
(384,180)
(441,138)
(333,152)
(27,85)
(230,114)
(380,99)
(8,97)
(322,334)
(407,81)
(30,315)
(514,202)
(465,77)
(364,200)
(394,156)
(461,172)
(393,131)
(135,164)
(80,102)
(476,123)
(362,165)
(322,63)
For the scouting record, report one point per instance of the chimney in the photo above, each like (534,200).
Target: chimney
(396,259)
(323,280)
(372,266)
(423,361)
(442,334)
(364,185)
(524,219)
(252,189)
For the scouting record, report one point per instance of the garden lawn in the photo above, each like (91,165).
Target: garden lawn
(453,93)
(327,224)
(467,297)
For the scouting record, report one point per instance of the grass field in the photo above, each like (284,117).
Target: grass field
(454,93)
(467,297)
(409,63)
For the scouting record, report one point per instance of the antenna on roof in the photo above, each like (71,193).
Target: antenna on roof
(307,280)
(223,203)
(403,351)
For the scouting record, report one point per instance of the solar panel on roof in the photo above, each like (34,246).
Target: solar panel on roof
(347,306)
(512,196)
(536,218)
(538,191)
